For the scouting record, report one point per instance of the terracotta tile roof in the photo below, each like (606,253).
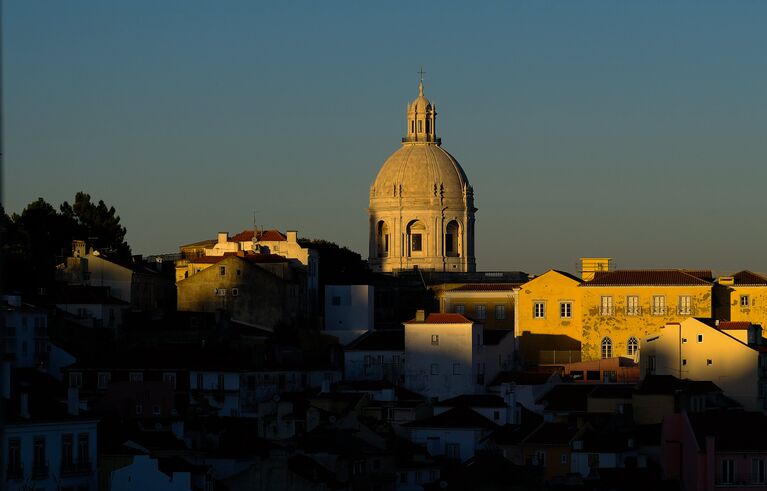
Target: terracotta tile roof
(733,325)
(442,319)
(486,287)
(272,236)
(210,259)
(641,277)
(457,417)
(244,236)
(250,257)
(746,277)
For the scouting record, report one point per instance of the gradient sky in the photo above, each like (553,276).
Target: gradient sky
(634,130)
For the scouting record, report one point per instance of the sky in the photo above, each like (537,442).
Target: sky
(631,130)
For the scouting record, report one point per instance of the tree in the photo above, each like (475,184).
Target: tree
(98,225)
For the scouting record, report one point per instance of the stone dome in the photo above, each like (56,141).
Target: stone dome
(421,104)
(420,170)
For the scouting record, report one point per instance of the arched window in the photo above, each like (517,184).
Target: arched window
(632,346)
(452,239)
(416,238)
(607,347)
(382,239)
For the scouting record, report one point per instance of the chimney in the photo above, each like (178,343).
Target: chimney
(420,315)
(292,236)
(24,405)
(73,401)
(223,237)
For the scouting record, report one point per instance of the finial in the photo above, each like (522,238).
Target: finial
(420,84)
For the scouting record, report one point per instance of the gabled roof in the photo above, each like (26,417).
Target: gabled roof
(244,236)
(473,400)
(272,236)
(733,430)
(552,434)
(442,319)
(747,278)
(458,417)
(668,384)
(559,272)
(734,325)
(650,277)
(379,340)
(567,397)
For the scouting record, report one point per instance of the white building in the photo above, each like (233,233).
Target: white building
(441,355)
(376,355)
(23,333)
(144,474)
(454,434)
(348,311)
(733,355)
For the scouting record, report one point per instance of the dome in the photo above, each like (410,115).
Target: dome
(420,170)
(421,104)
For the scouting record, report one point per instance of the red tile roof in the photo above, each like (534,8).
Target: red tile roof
(641,277)
(733,325)
(746,277)
(442,319)
(244,236)
(272,236)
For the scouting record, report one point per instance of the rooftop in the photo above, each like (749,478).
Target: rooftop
(651,277)
(732,430)
(668,384)
(442,319)
(379,340)
(473,400)
(457,417)
(749,278)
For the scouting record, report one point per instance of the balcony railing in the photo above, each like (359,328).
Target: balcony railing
(14,472)
(658,310)
(607,310)
(75,468)
(557,357)
(636,310)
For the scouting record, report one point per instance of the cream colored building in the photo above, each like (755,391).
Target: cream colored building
(421,203)
(733,355)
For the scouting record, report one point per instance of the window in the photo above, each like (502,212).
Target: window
(659,305)
(336,300)
(235,292)
(607,347)
(420,126)
(156,410)
(221,292)
(592,375)
(238,272)
(169,378)
(14,458)
(500,312)
(435,339)
(565,310)
(67,450)
(593,460)
(563,458)
(83,445)
(39,469)
(632,346)
(684,361)
(105,378)
(576,374)
(757,471)
(139,409)
(709,362)
(460,308)
(457,369)
(610,376)
(700,338)
(539,310)
(685,305)
(606,306)
(632,305)
(434,369)
(200,384)
(540,457)
(222,270)
(76,379)
(745,302)
(358,468)
(480,312)
(220,384)
(728,471)
(453,451)
(136,377)
(416,243)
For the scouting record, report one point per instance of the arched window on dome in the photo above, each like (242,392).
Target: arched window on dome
(632,346)
(382,239)
(416,238)
(453,241)
(607,347)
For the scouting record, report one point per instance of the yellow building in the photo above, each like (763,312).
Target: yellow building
(489,304)
(548,320)
(621,307)
(742,297)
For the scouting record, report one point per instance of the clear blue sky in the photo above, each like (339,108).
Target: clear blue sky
(634,130)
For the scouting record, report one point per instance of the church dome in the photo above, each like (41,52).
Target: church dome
(421,104)
(420,170)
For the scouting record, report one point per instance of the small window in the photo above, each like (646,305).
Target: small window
(658,305)
(500,312)
(169,378)
(235,292)
(76,379)
(104,380)
(539,310)
(563,458)
(576,374)
(238,272)
(336,300)
(700,338)
(434,369)
(222,270)
(139,409)
(632,346)
(565,310)
(709,362)
(745,301)
(460,308)
(435,339)
(685,305)
(136,377)
(684,361)
(156,410)
(606,306)
(593,375)
(632,305)
(457,369)
(416,242)
(607,347)
(480,312)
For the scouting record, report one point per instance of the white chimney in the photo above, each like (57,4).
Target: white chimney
(73,401)
(292,236)
(223,237)
(24,405)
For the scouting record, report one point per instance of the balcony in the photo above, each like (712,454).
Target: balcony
(606,310)
(14,471)
(76,468)
(634,311)
(659,310)
(40,472)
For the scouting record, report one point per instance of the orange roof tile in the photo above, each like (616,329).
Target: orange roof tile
(639,277)
(442,319)
(749,278)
